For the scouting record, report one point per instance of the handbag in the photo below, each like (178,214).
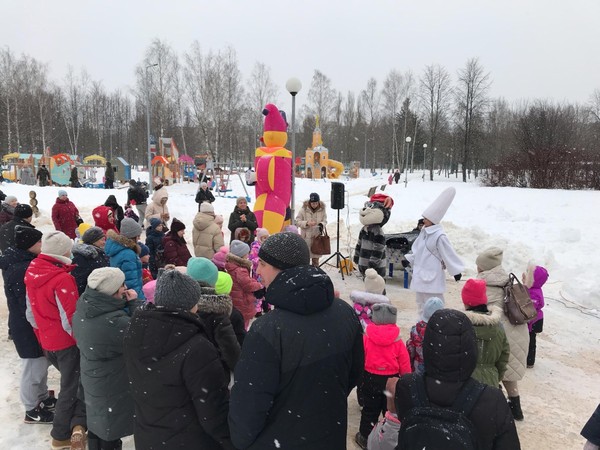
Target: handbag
(518,306)
(320,244)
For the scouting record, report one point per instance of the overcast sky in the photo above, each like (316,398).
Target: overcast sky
(532,48)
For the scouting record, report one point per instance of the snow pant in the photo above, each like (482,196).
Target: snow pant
(372,392)
(536,328)
(422,297)
(70,407)
(34,381)
(95,443)
(141,209)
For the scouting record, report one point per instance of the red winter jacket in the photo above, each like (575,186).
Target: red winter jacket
(52,293)
(100,215)
(243,285)
(385,353)
(64,216)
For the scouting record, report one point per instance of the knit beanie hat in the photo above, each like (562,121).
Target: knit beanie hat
(144,250)
(383,313)
(260,232)
(23,211)
(473,293)
(175,290)
(431,305)
(314,197)
(82,228)
(10,199)
(284,251)
(177,226)
(374,283)
(239,248)
(220,257)
(436,211)
(92,234)
(490,258)
(202,270)
(130,228)
(291,229)
(62,192)
(56,243)
(154,222)
(107,280)
(239,199)
(224,284)
(149,289)
(207,208)
(26,237)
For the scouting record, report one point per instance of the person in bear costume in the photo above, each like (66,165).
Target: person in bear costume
(370,248)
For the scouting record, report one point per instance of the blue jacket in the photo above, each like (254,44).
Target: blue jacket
(123,253)
(154,242)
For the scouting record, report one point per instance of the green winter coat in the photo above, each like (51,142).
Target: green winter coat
(492,346)
(99,325)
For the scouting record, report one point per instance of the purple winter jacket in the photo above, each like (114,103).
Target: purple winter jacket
(540,276)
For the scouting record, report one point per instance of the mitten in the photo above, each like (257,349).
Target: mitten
(457,277)
(260,293)
(405,263)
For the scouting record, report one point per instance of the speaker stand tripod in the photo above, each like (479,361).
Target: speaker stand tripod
(337,253)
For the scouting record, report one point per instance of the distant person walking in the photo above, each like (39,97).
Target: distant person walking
(137,195)
(43,176)
(74,178)
(109,176)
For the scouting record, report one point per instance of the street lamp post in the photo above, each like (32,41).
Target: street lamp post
(408,139)
(148,128)
(424,160)
(293,86)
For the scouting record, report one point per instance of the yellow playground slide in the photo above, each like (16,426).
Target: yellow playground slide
(334,169)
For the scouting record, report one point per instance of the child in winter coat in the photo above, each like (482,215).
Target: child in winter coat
(245,289)
(492,345)
(145,259)
(104,218)
(220,258)
(414,345)
(533,279)
(261,235)
(176,250)
(364,300)
(123,251)
(154,238)
(385,357)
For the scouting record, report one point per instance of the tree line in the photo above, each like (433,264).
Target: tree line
(201,98)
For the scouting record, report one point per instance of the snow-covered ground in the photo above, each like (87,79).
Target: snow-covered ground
(555,228)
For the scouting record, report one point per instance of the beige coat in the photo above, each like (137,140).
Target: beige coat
(517,335)
(155,209)
(206,235)
(304,216)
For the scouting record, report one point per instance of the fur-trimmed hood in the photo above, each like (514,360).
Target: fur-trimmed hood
(215,304)
(116,242)
(87,251)
(306,205)
(239,261)
(485,319)
(367,298)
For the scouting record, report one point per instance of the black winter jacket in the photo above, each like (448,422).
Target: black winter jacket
(591,430)
(87,258)
(235,222)
(154,242)
(178,383)
(7,232)
(99,325)
(14,263)
(298,365)
(450,356)
(138,194)
(204,196)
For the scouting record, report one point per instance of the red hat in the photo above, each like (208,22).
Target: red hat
(387,201)
(473,293)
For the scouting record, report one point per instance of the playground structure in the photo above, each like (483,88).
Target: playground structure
(166,164)
(317,164)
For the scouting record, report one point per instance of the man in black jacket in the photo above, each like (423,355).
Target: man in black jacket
(43,175)
(300,361)
(22,217)
(138,196)
(178,384)
(450,357)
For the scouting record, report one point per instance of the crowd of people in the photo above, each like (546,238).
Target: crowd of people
(248,345)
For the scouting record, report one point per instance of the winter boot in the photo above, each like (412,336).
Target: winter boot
(78,438)
(61,445)
(515,407)
(360,440)
(49,404)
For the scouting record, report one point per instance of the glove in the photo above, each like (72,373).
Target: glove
(260,293)
(457,277)
(405,263)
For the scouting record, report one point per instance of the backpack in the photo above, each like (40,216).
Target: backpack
(434,427)
(518,306)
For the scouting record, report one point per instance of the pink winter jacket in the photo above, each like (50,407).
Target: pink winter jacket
(385,352)
(243,285)
(534,284)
